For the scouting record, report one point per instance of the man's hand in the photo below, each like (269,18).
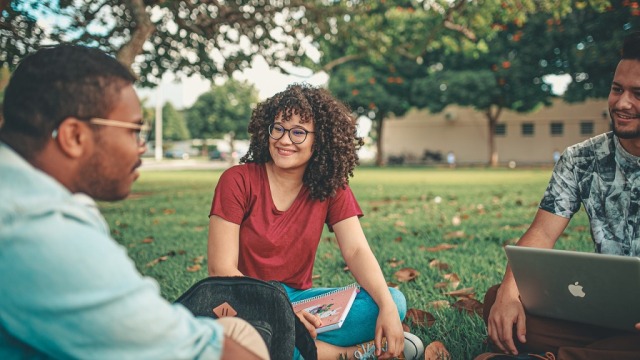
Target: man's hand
(505,312)
(310,321)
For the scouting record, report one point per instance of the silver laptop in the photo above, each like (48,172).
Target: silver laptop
(577,286)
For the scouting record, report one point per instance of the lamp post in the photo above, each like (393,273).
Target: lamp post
(158,140)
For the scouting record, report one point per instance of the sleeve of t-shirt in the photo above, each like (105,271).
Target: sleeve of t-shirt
(73,293)
(562,195)
(230,200)
(342,206)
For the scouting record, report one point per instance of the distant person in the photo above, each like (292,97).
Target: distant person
(268,214)
(556,155)
(73,133)
(451,159)
(602,174)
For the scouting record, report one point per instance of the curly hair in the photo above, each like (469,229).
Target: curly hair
(335,144)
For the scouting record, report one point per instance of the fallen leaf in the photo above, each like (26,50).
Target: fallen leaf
(392,285)
(198,259)
(315,277)
(194,268)
(471,306)
(327,255)
(454,235)
(148,240)
(398,239)
(346,268)
(406,274)
(439,304)
(437,264)
(198,228)
(441,285)
(154,262)
(465,292)
(453,279)
(400,223)
(455,221)
(169,211)
(394,262)
(436,351)
(420,317)
(439,247)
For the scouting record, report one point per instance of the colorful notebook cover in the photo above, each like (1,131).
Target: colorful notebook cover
(332,307)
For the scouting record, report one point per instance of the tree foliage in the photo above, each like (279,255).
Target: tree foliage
(187,37)
(174,127)
(224,110)
(491,55)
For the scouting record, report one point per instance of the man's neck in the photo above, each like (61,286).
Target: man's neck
(632,146)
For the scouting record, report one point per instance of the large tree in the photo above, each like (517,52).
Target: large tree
(584,44)
(174,126)
(225,110)
(205,37)
(489,55)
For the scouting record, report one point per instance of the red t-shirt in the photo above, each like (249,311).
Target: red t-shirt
(277,245)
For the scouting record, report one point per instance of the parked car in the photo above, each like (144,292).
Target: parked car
(176,154)
(217,155)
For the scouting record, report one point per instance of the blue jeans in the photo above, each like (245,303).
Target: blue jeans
(360,324)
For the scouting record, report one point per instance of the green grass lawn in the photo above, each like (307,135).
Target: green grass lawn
(408,212)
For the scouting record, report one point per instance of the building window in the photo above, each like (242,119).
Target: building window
(501,129)
(556,129)
(528,129)
(586,128)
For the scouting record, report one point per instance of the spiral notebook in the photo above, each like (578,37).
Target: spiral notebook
(331,307)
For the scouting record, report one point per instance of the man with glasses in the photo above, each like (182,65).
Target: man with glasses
(73,132)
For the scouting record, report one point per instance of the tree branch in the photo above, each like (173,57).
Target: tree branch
(139,33)
(339,61)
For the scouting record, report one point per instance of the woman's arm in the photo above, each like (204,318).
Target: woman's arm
(365,268)
(223,247)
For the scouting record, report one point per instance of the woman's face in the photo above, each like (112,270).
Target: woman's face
(285,153)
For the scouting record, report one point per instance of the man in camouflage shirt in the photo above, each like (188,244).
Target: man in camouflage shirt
(602,174)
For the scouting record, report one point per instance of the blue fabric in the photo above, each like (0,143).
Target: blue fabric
(68,290)
(360,324)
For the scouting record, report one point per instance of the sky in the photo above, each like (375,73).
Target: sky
(183,92)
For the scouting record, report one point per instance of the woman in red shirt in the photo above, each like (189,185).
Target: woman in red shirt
(268,214)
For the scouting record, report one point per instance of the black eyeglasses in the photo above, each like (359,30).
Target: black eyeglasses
(297,135)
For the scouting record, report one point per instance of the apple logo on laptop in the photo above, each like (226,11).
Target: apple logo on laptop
(576,290)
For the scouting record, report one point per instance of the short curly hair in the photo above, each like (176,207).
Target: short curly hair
(335,144)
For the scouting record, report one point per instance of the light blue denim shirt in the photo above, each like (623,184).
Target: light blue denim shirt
(69,291)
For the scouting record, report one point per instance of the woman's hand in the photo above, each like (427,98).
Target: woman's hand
(388,326)
(310,321)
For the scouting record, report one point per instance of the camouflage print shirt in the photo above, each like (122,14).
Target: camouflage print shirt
(605,178)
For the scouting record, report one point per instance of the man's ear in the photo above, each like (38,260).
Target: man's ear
(73,136)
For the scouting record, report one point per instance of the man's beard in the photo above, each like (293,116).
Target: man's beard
(625,134)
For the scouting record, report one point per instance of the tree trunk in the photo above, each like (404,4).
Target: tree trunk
(379,154)
(492,118)
(232,150)
(139,34)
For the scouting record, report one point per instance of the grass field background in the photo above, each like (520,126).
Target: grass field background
(414,218)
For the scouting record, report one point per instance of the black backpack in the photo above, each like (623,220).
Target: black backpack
(264,305)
